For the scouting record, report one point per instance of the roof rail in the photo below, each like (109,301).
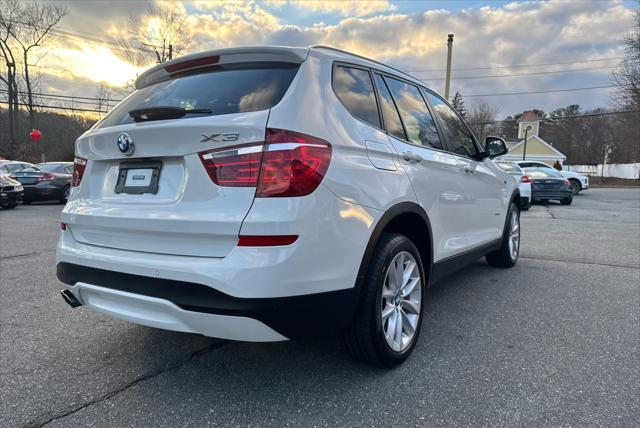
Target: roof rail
(365,58)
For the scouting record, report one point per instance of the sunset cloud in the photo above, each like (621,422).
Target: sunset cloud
(413,38)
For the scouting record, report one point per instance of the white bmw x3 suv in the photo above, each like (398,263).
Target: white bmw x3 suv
(266,193)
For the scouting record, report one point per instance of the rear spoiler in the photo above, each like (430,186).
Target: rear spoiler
(220,57)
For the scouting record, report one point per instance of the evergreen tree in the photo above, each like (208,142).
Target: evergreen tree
(458,105)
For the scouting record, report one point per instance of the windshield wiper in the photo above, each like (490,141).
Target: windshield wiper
(162,112)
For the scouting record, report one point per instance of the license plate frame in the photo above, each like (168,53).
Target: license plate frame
(126,167)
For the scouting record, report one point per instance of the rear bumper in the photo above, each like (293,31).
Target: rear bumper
(197,308)
(306,288)
(43,192)
(536,196)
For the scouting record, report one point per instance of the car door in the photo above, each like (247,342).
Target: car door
(485,186)
(433,172)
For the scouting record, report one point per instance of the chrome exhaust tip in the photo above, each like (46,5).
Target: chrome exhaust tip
(70,298)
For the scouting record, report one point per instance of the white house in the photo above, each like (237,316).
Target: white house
(536,148)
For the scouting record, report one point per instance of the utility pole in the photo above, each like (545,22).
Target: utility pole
(526,131)
(448,80)
(170,51)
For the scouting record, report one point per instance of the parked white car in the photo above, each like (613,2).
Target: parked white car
(578,181)
(523,180)
(265,193)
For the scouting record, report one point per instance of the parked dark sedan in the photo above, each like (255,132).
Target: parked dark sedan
(547,184)
(46,181)
(10,192)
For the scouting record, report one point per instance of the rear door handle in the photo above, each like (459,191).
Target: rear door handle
(411,157)
(467,170)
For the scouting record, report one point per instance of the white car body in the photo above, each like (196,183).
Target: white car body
(583,180)
(184,258)
(524,184)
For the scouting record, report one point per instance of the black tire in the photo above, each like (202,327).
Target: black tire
(9,206)
(65,195)
(576,187)
(566,201)
(503,257)
(26,202)
(365,338)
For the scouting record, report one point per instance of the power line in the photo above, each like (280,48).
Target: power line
(540,92)
(56,107)
(519,65)
(71,97)
(526,74)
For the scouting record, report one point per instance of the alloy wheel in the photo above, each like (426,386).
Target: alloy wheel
(401,301)
(514,235)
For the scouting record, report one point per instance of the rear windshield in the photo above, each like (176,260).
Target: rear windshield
(221,92)
(47,167)
(542,173)
(508,166)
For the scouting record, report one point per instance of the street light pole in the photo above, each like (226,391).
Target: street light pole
(448,79)
(526,131)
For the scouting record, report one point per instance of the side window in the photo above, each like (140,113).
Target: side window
(354,88)
(389,112)
(459,138)
(415,115)
(4,170)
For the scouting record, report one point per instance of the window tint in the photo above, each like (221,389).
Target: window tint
(459,138)
(389,112)
(354,88)
(414,113)
(15,167)
(222,92)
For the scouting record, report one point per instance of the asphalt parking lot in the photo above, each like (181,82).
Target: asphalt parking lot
(553,342)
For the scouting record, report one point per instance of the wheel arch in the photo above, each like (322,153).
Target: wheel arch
(409,219)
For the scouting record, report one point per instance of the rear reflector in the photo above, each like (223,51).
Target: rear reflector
(288,164)
(525,179)
(63,226)
(79,165)
(266,240)
(192,63)
(293,164)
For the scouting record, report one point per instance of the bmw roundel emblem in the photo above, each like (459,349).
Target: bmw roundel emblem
(125,144)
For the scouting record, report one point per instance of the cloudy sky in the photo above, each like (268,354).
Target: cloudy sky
(500,47)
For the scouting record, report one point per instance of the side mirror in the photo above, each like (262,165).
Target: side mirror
(495,146)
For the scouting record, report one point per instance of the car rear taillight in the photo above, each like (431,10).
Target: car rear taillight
(79,165)
(237,166)
(293,164)
(288,164)
(525,179)
(46,177)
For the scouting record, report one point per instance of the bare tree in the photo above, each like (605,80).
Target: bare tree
(9,13)
(161,33)
(35,24)
(482,119)
(628,74)
(102,98)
